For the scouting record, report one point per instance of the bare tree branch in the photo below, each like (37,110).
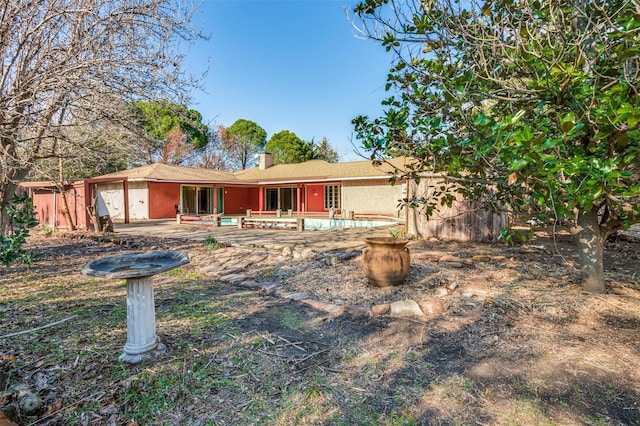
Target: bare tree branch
(67,63)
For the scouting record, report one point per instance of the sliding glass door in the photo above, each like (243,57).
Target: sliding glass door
(280,198)
(197,199)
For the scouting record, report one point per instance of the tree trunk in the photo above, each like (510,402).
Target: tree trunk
(4,217)
(410,213)
(5,222)
(93,210)
(591,251)
(7,191)
(63,195)
(65,209)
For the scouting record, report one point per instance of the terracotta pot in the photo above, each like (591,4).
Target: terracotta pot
(386,261)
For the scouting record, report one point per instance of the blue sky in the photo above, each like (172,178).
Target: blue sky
(288,65)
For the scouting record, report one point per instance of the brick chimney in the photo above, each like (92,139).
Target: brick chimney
(266,160)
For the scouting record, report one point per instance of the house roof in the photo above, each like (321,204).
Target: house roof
(168,172)
(47,184)
(321,170)
(309,170)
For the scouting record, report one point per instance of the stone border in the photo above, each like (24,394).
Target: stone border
(235,264)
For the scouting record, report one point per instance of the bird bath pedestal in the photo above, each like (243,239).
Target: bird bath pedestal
(138,269)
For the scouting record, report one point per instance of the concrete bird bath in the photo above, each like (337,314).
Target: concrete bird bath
(138,269)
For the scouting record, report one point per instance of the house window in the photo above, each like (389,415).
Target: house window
(331,197)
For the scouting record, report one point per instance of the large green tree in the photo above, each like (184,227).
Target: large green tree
(241,141)
(171,133)
(287,147)
(529,103)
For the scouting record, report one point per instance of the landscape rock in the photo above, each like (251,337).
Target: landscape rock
(381,309)
(432,307)
(432,256)
(441,292)
(357,311)
(405,308)
(20,387)
(295,296)
(29,402)
(307,253)
(329,308)
(251,283)
(481,258)
(287,251)
(349,254)
(222,271)
(234,278)
(454,259)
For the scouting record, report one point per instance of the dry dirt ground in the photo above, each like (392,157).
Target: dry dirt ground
(519,343)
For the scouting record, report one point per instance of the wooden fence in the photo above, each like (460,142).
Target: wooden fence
(463,221)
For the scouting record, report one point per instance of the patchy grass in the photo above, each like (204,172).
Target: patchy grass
(524,356)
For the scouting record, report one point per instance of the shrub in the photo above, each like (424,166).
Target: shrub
(211,243)
(22,217)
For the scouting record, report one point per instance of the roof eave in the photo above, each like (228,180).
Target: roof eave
(323,179)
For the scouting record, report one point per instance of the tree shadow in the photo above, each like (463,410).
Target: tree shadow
(251,354)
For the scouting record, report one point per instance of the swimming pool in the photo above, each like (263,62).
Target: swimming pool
(317,224)
(321,224)
(228,221)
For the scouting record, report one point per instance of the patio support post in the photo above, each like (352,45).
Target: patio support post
(215,200)
(88,196)
(125,187)
(261,199)
(298,196)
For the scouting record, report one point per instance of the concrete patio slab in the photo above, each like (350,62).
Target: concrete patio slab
(318,241)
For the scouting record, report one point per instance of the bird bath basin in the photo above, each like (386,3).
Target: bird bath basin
(138,269)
